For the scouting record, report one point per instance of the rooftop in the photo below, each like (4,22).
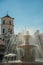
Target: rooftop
(7,16)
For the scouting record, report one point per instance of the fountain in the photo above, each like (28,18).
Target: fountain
(29,56)
(30,53)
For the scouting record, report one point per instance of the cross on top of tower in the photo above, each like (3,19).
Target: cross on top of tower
(7,15)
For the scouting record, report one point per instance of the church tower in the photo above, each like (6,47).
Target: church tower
(7,28)
(7,25)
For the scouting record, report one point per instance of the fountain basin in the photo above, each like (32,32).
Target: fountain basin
(22,63)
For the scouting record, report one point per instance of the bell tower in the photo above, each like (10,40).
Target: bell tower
(7,28)
(7,25)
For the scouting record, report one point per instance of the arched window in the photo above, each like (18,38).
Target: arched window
(3,21)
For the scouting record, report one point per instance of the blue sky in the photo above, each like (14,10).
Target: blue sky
(27,13)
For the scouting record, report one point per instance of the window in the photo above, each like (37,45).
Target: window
(3,30)
(9,22)
(10,30)
(3,21)
(6,21)
(15,58)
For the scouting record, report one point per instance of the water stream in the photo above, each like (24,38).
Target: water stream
(15,41)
